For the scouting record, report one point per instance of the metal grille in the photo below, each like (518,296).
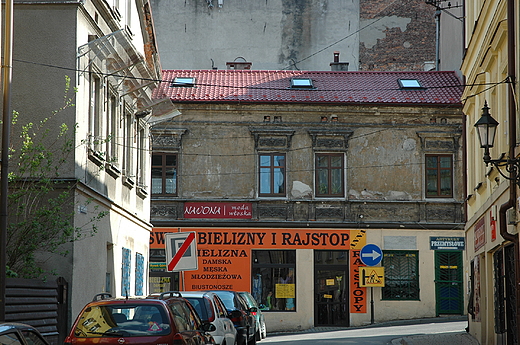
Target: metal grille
(500,314)
(510,287)
(401,275)
(448,279)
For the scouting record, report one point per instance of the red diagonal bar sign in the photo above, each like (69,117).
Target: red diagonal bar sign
(181,251)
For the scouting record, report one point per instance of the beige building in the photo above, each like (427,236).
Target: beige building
(286,176)
(107,49)
(491,73)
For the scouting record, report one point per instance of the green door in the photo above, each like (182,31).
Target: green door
(448,282)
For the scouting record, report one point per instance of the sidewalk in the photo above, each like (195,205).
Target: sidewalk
(461,338)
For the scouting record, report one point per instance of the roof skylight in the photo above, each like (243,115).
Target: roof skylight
(409,84)
(183,81)
(301,83)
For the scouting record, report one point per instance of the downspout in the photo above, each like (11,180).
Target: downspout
(511,70)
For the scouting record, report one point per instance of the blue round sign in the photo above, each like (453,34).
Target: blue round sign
(371,255)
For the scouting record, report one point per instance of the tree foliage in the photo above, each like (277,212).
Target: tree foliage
(41,202)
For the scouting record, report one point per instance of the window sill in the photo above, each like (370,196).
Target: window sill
(142,192)
(97,157)
(112,170)
(129,182)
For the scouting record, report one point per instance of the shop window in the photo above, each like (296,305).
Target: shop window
(274,284)
(272,174)
(329,174)
(401,275)
(439,176)
(164,174)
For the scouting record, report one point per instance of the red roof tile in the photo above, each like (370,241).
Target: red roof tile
(264,86)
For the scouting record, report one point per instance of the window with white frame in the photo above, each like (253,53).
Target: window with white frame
(129,139)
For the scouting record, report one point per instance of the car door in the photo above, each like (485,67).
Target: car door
(186,323)
(227,325)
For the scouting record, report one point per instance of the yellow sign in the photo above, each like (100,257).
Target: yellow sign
(330,282)
(372,276)
(284,291)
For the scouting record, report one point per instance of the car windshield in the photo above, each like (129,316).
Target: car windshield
(122,320)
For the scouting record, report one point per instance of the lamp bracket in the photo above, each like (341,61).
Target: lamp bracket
(511,165)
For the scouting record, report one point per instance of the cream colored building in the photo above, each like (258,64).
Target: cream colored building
(489,66)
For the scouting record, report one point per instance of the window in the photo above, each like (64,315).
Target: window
(274,284)
(401,275)
(164,173)
(139,274)
(141,157)
(112,129)
(301,83)
(129,146)
(329,174)
(439,176)
(272,174)
(96,122)
(409,84)
(125,272)
(183,81)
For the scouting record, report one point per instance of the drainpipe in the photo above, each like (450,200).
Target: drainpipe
(437,37)
(511,70)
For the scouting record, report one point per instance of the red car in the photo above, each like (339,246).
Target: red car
(163,319)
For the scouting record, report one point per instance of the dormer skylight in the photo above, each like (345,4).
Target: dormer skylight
(409,84)
(301,83)
(183,82)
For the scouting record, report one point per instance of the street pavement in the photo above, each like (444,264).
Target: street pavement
(448,338)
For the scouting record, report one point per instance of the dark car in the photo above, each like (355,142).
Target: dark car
(259,316)
(241,315)
(158,319)
(19,333)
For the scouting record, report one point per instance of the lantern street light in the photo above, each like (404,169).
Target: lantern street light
(486,130)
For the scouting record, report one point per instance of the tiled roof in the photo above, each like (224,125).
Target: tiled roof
(269,86)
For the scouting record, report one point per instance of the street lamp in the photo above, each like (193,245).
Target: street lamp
(486,130)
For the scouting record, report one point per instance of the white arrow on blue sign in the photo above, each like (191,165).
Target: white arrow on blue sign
(371,254)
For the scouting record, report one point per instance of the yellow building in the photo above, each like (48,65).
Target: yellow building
(492,204)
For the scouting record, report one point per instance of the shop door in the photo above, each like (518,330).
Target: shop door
(448,282)
(331,289)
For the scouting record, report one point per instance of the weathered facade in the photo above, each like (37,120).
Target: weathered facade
(490,67)
(108,51)
(287,182)
(296,34)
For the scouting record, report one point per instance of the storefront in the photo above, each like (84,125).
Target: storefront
(310,277)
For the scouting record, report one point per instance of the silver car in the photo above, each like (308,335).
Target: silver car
(260,319)
(211,308)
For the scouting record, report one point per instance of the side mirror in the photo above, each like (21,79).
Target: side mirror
(208,327)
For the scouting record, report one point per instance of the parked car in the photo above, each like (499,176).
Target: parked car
(241,315)
(19,333)
(259,316)
(164,318)
(211,309)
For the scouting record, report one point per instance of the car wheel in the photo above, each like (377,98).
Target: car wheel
(252,341)
(258,336)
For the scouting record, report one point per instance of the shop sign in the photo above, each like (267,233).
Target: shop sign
(447,243)
(224,256)
(480,234)
(229,210)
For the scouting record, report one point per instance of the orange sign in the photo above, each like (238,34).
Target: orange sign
(224,255)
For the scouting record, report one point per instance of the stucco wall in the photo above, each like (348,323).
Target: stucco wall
(274,34)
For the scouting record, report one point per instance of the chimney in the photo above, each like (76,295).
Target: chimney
(239,63)
(336,65)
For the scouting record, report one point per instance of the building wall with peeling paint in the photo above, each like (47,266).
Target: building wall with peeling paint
(295,34)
